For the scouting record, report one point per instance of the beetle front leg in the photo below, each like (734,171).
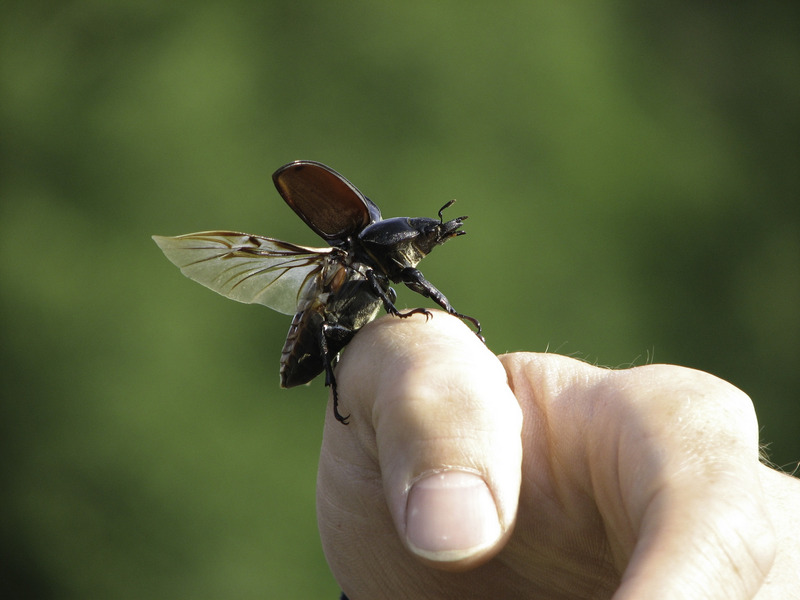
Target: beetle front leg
(388,296)
(415,281)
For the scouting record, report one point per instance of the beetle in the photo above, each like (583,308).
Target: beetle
(332,292)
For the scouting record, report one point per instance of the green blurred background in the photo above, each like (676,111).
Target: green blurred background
(631,175)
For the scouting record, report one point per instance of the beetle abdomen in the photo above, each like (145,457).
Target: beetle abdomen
(301,357)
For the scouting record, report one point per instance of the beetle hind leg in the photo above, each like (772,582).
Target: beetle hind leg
(339,336)
(344,420)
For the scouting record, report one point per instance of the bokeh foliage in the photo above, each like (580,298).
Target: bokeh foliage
(631,175)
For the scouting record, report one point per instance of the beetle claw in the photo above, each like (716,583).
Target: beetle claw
(344,420)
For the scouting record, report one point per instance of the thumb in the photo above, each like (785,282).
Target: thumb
(437,428)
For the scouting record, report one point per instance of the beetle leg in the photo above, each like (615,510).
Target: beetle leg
(326,332)
(415,281)
(416,311)
(389,296)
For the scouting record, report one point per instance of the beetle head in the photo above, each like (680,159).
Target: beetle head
(432,233)
(405,241)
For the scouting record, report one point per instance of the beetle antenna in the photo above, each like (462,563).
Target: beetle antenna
(441,210)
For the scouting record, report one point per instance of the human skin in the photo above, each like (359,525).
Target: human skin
(465,475)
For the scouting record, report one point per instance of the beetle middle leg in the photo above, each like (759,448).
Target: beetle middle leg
(388,297)
(416,311)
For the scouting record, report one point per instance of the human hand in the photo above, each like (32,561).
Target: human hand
(462,475)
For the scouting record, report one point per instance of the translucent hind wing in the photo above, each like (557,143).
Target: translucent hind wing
(248,268)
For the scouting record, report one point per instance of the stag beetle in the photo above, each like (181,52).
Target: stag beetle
(332,292)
